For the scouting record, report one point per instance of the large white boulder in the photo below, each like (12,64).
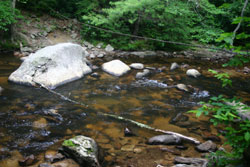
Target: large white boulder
(193,73)
(53,66)
(115,67)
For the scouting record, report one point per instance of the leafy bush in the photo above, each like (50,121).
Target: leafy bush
(7,16)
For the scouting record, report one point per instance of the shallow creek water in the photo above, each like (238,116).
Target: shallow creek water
(32,120)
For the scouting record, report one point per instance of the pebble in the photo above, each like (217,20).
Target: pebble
(208,146)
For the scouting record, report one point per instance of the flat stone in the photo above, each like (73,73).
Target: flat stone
(115,67)
(53,66)
(208,146)
(190,161)
(193,73)
(164,139)
(109,48)
(137,66)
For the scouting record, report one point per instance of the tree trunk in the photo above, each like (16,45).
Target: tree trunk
(137,24)
(12,28)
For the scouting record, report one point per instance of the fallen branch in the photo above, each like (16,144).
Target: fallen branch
(193,140)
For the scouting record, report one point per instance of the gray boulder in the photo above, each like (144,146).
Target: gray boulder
(83,150)
(164,139)
(115,67)
(137,66)
(174,66)
(208,146)
(53,66)
(193,73)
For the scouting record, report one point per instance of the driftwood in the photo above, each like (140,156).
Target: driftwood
(193,140)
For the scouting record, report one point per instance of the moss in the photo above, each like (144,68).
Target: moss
(69,143)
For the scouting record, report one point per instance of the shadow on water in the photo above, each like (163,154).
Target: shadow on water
(33,120)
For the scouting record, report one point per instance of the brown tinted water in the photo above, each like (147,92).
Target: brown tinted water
(32,120)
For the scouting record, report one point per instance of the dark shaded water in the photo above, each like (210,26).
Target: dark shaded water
(32,120)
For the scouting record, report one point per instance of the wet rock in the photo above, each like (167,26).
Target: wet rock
(53,66)
(182,87)
(193,73)
(208,146)
(115,67)
(95,75)
(174,66)
(164,139)
(27,161)
(142,74)
(149,83)
(67,163)
(209,136)
(82,149)
(45,165)
(200,94)
(109,48)
(41,123)
(190,161)
(54,113)
(53,156)
(137,66)
(128,132)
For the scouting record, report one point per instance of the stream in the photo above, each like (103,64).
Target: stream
(33,121)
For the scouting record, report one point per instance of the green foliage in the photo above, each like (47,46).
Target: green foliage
(7,15)
(69,143)
(224,77)
(226,112)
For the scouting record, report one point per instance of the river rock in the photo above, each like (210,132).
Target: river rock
(182,87)
(174,66)
(142,74)
(53,66)
(137,66)
(109,48)
(115,67)
(82,149)
(164,139)
(208,146)
(193,73)
(197,162)
(67,163)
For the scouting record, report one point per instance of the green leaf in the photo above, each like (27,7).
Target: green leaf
(247,136)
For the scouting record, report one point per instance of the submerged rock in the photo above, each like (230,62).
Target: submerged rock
(164,139)
(174,66)
(208,146)
(197,162)
(53,66)
(142,74)
(137,66)
(193,73)
(82,149)
(149,83)
(115,67)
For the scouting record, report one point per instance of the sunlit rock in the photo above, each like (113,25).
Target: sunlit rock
(83,150)
(208,146)
(142,74)
(115,67)
(193,73)
(182,87)
(137,66)
(174,66)
(41,123)
(109,48)
(66,163)
(53,66)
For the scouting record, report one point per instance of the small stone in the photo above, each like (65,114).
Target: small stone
(137,66)
(99,45)
(128,132)
(92,56)
(32,36)
(174,66)
(142,74)
(137,150)
(95,75)
(109,48)
(115,67)
(27,161)
(193,73)
(45,165)
(246,70)
(41,123)
(53,156)
(164,139)
(208,146)
(128,148)
(101,55)
(66,163)
(182,87)
(180,147)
